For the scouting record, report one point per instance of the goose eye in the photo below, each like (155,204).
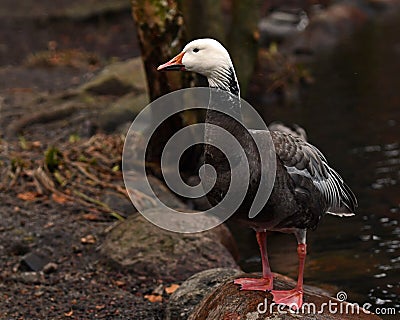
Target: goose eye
(195,50)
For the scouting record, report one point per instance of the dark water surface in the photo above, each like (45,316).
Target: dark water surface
(352,113)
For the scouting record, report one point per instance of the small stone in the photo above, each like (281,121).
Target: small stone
(50,267)
(33,262)
(89,239)
(39,293)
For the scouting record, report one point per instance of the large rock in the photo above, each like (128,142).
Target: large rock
(193,290)
(226,301)
(118,79)
(143,248)
(122,87)
(121,112)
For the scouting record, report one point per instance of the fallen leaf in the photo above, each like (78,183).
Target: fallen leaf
(48,225)
(119,283)
(27,196)
(153,298)
(69,314)
(89,239)
(91,216)
(36,144)
(172,288)
(59,198)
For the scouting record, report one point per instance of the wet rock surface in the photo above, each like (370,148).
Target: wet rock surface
(226,301)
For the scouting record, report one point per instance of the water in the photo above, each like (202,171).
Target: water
(352,113)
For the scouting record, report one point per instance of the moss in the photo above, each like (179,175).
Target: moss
(17,162)
(74,138)
(53,158)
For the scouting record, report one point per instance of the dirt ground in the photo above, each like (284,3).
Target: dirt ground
(50,267)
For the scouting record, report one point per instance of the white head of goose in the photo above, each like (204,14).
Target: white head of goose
(209,58)
(305,188)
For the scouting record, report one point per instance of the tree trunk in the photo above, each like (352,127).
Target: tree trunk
(159,26)
(204,19)
(243,39)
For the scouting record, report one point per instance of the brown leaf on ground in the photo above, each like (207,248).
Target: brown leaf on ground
(153,298)
(36,144)
(59,198)
(69,314)
(172,288)
(120,283)
(92,216)
(28,196)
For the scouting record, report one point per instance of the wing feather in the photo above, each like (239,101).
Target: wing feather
(301,158)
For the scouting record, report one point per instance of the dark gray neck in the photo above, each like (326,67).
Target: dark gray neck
(224,111)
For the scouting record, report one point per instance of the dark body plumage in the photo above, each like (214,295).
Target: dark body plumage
(305,186)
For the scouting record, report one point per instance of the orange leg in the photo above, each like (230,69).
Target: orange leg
(261,284)
(293,298)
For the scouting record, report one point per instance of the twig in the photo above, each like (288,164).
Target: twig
(79,166)
(99,203)
(15,176)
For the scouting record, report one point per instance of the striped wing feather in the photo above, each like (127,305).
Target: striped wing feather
(301,158)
